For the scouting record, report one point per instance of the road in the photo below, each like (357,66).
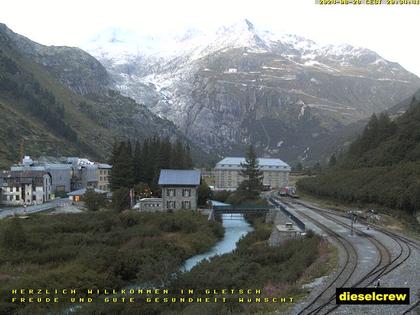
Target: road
(365,256)
(7,212)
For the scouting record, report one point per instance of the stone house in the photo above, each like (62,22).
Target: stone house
(179,189)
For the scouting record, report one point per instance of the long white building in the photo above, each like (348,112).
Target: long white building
(227,173)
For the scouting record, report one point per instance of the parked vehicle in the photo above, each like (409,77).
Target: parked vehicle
(288,191)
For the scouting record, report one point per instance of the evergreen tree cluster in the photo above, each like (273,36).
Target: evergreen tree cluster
(141,163)
(36,100)
(378,130)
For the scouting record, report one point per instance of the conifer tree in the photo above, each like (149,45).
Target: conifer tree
(178,155)
(165,154)
(252,185)
(122,169)
(333,161)
(137,167)
(145,162)
(187,157)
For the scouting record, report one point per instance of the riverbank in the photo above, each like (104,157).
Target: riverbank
(97,250)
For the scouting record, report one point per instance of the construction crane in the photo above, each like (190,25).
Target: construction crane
(21,150)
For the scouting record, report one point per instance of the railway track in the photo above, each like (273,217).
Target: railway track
(385,264)
(327,295)
(405,248)
(343,277)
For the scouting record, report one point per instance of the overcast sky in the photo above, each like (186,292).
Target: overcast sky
(391,31)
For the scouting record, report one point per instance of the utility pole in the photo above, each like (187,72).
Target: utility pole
(352,221)
(131,198)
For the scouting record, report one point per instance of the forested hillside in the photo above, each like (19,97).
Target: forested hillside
(382,166)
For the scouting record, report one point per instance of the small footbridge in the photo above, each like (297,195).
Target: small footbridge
(219,208)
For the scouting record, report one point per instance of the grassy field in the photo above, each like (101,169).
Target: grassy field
(96,250)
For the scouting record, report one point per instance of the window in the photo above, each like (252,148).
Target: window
(17,197)
(170,192)
(170,204)
(186,205)
(60,188)
(186,192)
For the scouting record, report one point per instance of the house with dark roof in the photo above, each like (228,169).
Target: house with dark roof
(179,188)
(25,187)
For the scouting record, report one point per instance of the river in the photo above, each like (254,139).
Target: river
(235,227)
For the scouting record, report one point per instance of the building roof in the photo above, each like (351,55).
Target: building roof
(21,168)
(150,199)
(82,191)
(218,203)
(61,166)
(29,173)
(180,177)
(103,165)
(16,177)
(264,163)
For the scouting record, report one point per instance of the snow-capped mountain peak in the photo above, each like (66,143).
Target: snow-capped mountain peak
(118,44)
(115,43)
(216,85)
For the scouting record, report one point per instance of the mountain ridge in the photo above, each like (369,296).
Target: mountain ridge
(220,88)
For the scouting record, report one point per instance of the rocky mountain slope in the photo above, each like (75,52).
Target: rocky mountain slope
(56,100)
(238,85)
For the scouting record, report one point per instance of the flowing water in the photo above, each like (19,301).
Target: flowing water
(235,227)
